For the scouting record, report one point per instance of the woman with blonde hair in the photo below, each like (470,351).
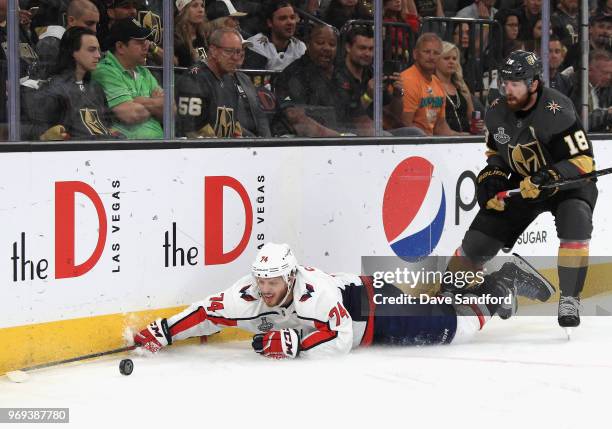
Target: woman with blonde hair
(459,104)
(190,33)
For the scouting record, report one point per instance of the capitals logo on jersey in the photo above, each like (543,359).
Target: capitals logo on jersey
(309,291)
(244,294)
(414,209)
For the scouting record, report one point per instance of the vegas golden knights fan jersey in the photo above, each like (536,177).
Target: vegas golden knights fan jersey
(80,107)
(206,105)
(549,135)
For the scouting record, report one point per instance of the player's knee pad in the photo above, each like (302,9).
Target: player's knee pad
(479,247)
(574,220)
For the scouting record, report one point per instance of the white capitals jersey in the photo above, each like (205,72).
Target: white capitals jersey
(277,60)
(317,313)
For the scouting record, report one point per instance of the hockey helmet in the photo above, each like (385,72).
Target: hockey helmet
(521,65)
(275,260)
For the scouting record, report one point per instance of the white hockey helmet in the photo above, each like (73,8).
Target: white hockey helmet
(275,260)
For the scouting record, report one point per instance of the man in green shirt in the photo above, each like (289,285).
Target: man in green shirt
(132,92)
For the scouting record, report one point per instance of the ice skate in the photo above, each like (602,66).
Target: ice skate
(569,311)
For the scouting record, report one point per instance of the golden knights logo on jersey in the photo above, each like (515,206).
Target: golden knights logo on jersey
(151,21)
(527,158)
(201,55)
(91,121)
(26,52)
(225,125)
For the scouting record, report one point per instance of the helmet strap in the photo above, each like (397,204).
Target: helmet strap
(291,277)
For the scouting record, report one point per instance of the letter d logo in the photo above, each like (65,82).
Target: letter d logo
(213,219)
(64,229)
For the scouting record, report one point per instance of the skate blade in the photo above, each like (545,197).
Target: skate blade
(568,332)
(521,262)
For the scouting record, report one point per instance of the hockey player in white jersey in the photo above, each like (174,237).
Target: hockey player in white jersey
(297,310)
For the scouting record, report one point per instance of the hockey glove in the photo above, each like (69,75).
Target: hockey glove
(278,344)
(530,186)
(154,337)
(491,180)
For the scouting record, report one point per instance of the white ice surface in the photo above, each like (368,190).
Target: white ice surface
(519,373)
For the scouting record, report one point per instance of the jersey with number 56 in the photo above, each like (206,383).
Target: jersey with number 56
(547,136)
(206,105)
(317,312)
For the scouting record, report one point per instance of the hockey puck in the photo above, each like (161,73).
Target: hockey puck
(126,366)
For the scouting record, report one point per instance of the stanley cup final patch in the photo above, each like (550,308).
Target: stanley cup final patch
(265,325)
(500,136)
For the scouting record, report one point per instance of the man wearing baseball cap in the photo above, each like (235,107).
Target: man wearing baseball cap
(600,37)
(132,92)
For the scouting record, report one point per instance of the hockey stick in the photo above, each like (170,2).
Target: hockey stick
(19,376)
(561,182)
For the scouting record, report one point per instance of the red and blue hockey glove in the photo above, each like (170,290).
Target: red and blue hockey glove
(278,344)
(154,337)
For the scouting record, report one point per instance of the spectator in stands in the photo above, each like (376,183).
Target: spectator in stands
(480,9)
(354,81)
(115,10)
(311,83)
(472,61)
(80,13)
(509,22)
(459,104)
(207,99)
(600,37)
(399,11)
(528,16)
(564,22)
(223,14)
(190,33)
(424,97)
(604,7)
(535,43)
(600,90)
(341,11)
(132,92)
(556,55)
(254,121)
(26,46)
(278,47)
(253,22)
(118,10)
(427,8)
(600,32)
(71,105)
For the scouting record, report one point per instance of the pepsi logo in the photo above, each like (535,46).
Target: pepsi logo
(414,209)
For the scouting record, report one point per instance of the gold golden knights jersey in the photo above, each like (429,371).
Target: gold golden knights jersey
(317,311)
(547,136)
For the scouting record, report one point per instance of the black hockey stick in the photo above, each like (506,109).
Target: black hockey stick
(561,182)
(74,359)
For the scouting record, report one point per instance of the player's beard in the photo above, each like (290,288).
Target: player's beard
(515,104)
